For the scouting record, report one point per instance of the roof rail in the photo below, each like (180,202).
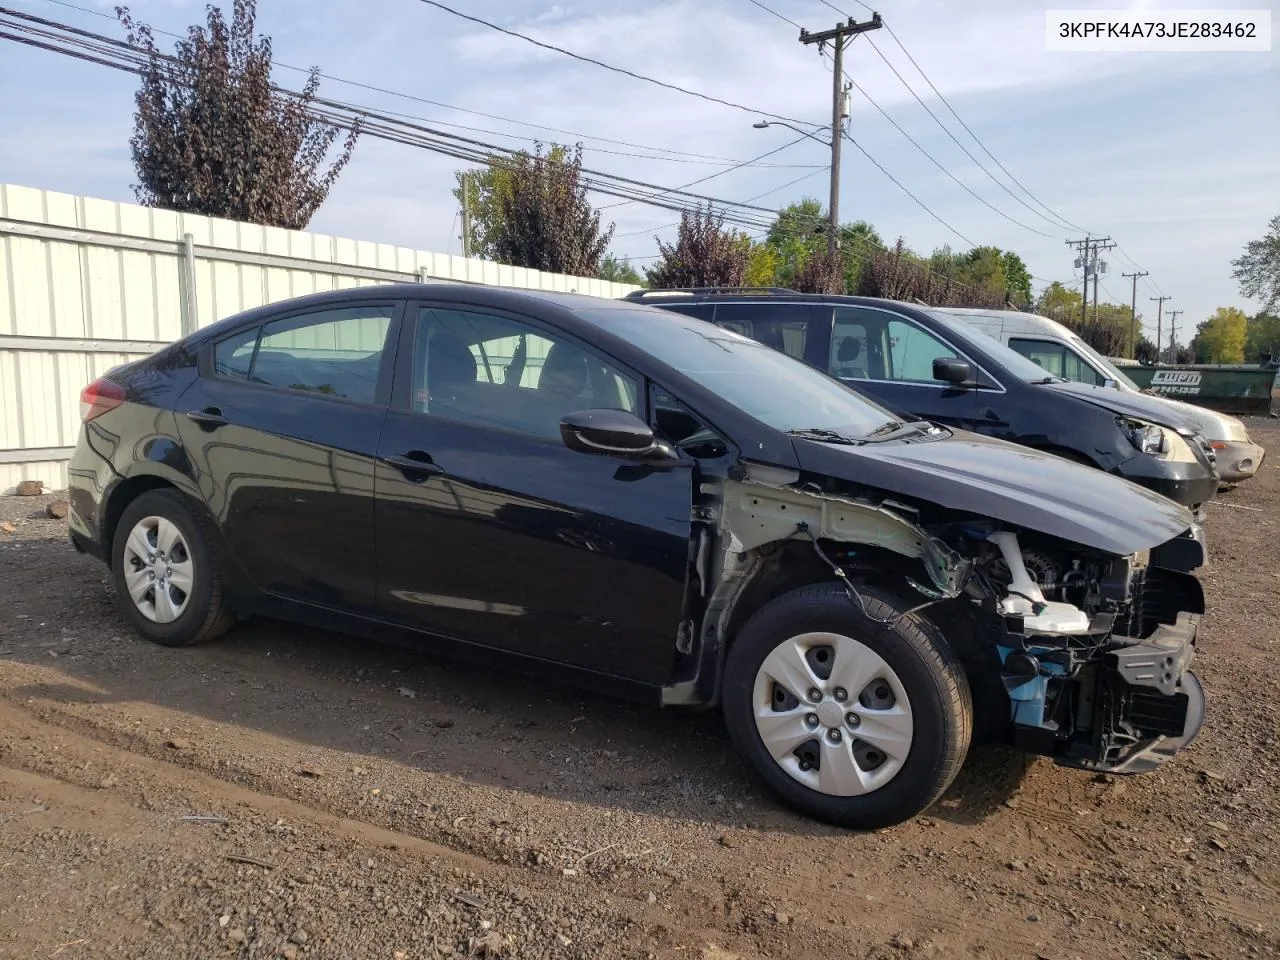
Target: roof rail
(691,291)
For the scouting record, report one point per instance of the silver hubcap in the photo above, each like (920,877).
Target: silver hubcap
(158,571)
(833,714)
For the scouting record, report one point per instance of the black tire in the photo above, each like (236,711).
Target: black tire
(928,670)
(206,614)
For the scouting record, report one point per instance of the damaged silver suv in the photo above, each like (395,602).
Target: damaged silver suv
(654,506)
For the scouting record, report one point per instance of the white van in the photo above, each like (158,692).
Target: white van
(1063,354)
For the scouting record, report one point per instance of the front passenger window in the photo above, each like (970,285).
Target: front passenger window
(1050,356)
(912,351)
(497,372)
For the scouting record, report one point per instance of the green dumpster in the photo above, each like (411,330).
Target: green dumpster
(1230,388)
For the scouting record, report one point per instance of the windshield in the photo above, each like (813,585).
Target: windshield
(1013,362)
(1109,368)
(770,386)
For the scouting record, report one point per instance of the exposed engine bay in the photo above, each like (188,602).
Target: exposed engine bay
(1091,649)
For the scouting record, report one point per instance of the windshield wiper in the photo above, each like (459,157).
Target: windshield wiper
(897,428)
(1048,379)
(819,434)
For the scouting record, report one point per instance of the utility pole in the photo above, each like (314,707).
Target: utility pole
(1159,319)
(1133,311)
(466,214)
(1099,266)
(837,39)
(1089,246)
(1173,332)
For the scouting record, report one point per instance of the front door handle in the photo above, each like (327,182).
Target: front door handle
(415,465)
(210,418)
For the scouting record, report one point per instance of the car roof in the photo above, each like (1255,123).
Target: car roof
(770,294)
(1030,321)
(512,298)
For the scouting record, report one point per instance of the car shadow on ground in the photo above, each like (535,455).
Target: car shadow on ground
(480,723)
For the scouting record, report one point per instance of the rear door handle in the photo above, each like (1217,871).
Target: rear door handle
(416,466)
(210,418)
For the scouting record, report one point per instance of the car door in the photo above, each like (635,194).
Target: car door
(490,530)
(281,429)
(890,356)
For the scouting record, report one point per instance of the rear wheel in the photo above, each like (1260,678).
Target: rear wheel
(167,580)
(849,720)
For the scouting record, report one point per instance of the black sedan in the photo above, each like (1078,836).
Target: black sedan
(651,505)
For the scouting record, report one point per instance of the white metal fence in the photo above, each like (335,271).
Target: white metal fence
(86,284)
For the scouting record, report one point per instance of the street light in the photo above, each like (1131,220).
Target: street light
(764,124)
(833,227)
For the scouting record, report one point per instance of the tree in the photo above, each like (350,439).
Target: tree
(212,136)
(1262,338)
(704,254)
(1146,351)
(822,272)
(1058,303)
(619,271)
(1220,339)
(485,190)
(763,264)
(544,220)
(1109,332)
(1017,279)
(1258,268)
(798,235)
(899,274)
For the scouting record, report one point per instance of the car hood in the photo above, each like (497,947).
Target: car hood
(1151,409)
(1003,481)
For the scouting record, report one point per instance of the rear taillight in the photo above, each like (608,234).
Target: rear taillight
(99,397)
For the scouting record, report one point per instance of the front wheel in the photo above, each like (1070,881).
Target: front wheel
(850,720)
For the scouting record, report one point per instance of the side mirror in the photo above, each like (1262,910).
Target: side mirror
(1108,382)
(614,433)
(953,371)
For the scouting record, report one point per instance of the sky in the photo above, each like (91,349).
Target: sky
(1176,156)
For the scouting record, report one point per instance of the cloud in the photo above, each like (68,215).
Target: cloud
(1172,154)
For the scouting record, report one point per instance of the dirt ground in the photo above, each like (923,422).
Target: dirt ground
(288,793)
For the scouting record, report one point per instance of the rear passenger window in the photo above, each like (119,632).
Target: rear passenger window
(334,352)
(494,371)
(232,356)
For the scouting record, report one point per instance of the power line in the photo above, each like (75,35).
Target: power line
(693,93)
(680,156)
(1057,220)
(721,173)
(776,14)
(934,160)
(920,203)
(106,51)
(1056,216)
(608,66)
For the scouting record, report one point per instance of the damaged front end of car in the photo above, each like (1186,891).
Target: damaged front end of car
(1072,652)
